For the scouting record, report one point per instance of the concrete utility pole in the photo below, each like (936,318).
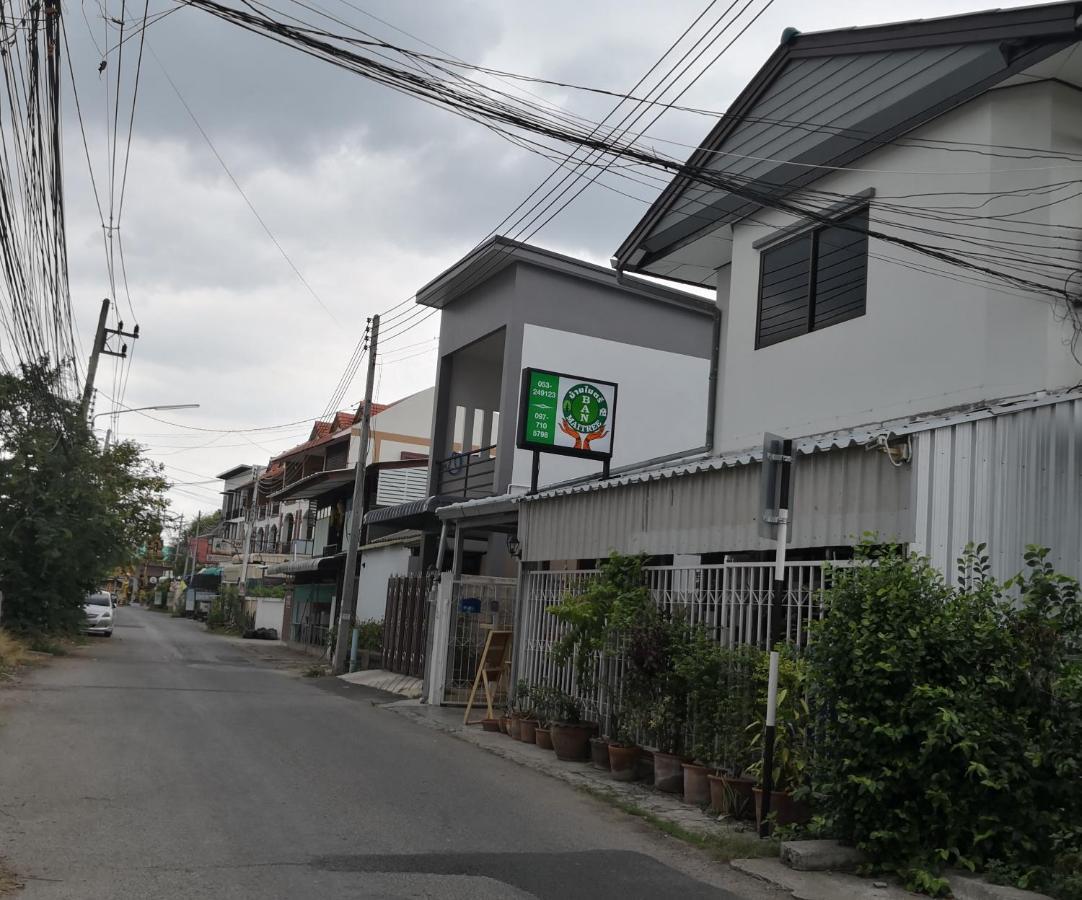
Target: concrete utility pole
(95,353)
(249,524)
(101,335)
(347,605)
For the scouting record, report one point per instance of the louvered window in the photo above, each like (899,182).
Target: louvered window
(814,280)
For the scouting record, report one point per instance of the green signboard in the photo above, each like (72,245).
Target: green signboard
(566,414)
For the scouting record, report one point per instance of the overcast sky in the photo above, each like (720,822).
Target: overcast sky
(369,192)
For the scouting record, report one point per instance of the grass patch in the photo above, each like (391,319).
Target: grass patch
(13,653)
(723,847)
(43,644)
(315,671)
(9,883)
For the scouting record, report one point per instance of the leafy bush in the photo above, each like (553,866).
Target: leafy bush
(370,635)
(724,690)
(948,720)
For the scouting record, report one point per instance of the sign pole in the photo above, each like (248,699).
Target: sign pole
(768,744)
(535,471)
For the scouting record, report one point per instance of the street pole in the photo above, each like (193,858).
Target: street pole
(348,602)
(249,523)
(95,354)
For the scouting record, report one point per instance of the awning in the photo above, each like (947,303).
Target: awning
(414,514)
(311,564)
(315,485)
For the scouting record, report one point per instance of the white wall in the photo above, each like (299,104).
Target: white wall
(926,342)
(660,406)
(377,566)
(268,613)
(411,416)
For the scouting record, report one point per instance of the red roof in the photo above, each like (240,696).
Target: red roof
(323,431)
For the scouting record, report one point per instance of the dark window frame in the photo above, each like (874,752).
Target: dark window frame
(814,234)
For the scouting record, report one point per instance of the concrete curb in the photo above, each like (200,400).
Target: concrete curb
(970,887)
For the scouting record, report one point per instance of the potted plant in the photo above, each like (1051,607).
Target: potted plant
(623,752)
(520,708)
(790,745)
(700,663)
(545,700)
(570,734)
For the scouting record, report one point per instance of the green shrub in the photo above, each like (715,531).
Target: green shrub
(948,720)
(370,635)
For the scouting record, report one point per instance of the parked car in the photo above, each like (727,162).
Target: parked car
(99,614)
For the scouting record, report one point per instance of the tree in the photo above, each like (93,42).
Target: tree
(70,511)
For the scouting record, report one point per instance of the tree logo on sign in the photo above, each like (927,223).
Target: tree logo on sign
(585,415)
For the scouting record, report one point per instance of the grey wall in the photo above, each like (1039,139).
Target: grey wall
(529,294)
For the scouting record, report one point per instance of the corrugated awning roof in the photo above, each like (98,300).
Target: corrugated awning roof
(315,485)
(312,564)
(408,514)
(850,437)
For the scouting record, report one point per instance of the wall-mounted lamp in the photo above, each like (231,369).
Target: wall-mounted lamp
(514,546)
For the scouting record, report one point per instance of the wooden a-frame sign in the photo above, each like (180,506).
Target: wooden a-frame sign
(490,670)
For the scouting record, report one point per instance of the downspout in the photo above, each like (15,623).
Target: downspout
(712,383)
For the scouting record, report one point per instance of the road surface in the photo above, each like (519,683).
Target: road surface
(166,762)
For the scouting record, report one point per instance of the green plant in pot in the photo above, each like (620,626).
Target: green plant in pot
(519,707)
(525,711)
(570,734)
(655,686)
(790,762)
(702,664)
(546,702)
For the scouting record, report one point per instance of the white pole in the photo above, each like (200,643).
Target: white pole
(772,691)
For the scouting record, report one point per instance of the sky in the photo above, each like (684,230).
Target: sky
(369,194)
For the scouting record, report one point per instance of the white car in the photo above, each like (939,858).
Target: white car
(99,614)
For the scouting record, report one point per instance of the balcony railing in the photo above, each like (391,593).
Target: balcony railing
(283,548)
(469,474)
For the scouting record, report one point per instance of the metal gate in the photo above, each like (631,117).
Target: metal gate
(405,624)
(479,602)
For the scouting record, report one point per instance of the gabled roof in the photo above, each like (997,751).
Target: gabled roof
(827,99)
(497,253)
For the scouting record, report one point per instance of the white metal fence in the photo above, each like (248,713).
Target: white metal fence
(731,601)
(479,602)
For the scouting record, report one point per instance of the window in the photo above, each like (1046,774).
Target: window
(815,280)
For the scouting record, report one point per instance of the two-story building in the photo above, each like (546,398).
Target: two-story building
(313,482)
(889,218)
(507,306)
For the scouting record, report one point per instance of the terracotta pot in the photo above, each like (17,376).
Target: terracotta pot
(668,776)
(515,727)
(644,766)
(599,753)
(696,787)
(526,730)
(491,725)
(542,738)
(571,742)
(787,810)
(622,762)
(735,798)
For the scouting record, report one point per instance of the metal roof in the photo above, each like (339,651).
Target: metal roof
(408,514)
(826,99)
(316,484)
(840,439)
(497,253)
(234,472)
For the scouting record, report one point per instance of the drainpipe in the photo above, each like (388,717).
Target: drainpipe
(712,383)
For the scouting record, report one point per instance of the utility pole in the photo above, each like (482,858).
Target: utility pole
(95,352)
(347,605)
(101,337)
(249,524)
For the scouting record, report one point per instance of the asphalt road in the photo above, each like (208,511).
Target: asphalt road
(169,763)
